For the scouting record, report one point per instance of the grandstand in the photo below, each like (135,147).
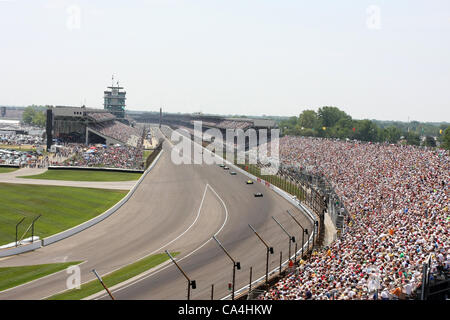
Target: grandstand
(186,121)
(395,227)
(86,125)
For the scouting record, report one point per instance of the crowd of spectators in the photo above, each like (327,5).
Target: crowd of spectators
(118,131)
(115,156)
(397,198)
(101,116)
(19,139)
(231,124)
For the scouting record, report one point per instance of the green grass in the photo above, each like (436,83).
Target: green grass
(61,207)
(113,278)
(85,175)
(6,170)
(146,154)
(14,276)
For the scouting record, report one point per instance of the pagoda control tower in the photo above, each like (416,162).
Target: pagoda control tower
(114,100)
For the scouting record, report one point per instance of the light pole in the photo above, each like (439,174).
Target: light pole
(291,238)
(236,264)
(101,281)
(269,251)
(17,227)
(191,283)
(32,228)
(304,231)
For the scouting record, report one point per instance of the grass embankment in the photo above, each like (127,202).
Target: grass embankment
(146,154)
(14,276)
(113,278)
(6,169)
(61,208)
(85,175)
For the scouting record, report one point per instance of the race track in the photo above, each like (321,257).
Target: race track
(176,208)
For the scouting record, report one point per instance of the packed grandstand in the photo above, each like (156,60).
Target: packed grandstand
(92,126)
(398,201)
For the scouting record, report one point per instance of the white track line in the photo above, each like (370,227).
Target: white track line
(192,252)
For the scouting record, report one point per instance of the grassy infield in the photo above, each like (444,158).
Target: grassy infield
(28,201)
(61,208)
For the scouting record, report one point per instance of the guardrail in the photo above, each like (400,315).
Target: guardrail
(9,165)
(70,232)
(95,169)
(20,249)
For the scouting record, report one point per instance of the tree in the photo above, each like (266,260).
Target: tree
(446,139)
(308,119)
(39,119)
(329,116)
(28,115)
(366,130)
(413,138)
(430,142)
(343,128)
(391,134)
(34,115)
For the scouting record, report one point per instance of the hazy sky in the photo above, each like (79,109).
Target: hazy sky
(373,59)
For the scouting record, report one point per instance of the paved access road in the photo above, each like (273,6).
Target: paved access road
(178,208)
(13,177)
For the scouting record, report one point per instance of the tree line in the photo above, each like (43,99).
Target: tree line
(331,122)
(34,115)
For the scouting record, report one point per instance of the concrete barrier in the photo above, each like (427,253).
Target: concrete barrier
(9,166)
(101,217)
(20,249)
(95,169)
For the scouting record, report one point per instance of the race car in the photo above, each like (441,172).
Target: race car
(249,182)
(232,173)
(221,165)
(258,194)
(226,168)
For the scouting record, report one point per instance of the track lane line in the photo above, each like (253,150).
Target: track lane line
(181,259)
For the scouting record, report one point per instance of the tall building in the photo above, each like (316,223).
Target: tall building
(114,100)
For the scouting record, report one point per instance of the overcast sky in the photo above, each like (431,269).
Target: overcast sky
(386,60)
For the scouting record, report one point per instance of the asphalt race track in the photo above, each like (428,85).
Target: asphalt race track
(176,208)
